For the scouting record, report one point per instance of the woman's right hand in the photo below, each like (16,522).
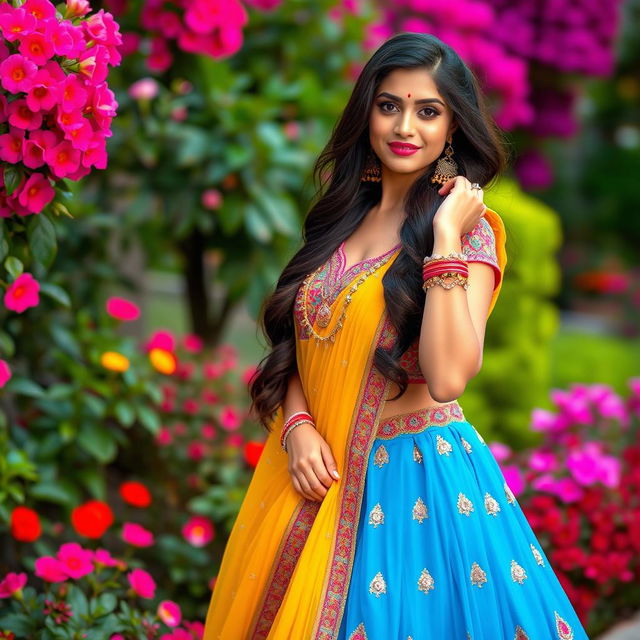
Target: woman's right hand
(311,463)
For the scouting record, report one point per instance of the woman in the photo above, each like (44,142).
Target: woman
(376,510)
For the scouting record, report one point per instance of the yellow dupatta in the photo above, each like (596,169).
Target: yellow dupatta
(287,565)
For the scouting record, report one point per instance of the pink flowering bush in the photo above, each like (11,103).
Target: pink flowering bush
(526,56)
(580,491)
(148,520)
(82,592)
(213,28)
(55,104)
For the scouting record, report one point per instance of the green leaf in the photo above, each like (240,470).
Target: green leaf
(13,266)
(103,605)
(149,418)
(96,407)
(4,242)
(7,345)
(25,387)
(78,601)
(124,413)
(56,293)
(97,441)
(56,492)
(42,239)
(12,178)
(65,340)
(256,224)
(19,623)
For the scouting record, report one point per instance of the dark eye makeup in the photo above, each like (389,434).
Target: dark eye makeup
(381,105)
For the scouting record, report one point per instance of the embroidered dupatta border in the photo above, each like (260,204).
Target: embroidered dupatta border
(291,546)
(369,409)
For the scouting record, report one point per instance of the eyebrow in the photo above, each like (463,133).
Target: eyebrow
(399,99)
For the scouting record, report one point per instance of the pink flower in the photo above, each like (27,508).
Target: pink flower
(567,490)
(160,57)
(144,89)
(77,8)
(104,558)
(122,309)
(248,373)
(196,628)
(50,569)
(16,23)
(198,531)
(36,47)
(16,73)
(73,94)
(12,584)
(137,535)
(196,450)
(142,583)
(164,437)
(193,343)
(513,476)
(542,461)
(43,92)
(584,464)
(208,431)
(11,145)
(75,560)
(169,612)
(5,373)
(41,9)
(63,159)
(500,451)
(161,340)
(22,293)
(235,440)
(36,193)
(211,199)
(230,418)
(19,115)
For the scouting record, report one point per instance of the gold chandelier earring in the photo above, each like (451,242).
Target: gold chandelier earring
(372,172)
(446,168)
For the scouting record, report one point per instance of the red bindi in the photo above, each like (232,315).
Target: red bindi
(408,95)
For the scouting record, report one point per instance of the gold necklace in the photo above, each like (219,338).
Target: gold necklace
(331,336)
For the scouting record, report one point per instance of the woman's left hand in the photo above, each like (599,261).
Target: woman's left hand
(462,207)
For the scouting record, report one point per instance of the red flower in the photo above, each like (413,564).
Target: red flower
(25,524)
(252,452)
(92,518)
(135,494)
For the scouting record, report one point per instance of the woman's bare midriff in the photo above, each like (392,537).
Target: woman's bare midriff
(416,397)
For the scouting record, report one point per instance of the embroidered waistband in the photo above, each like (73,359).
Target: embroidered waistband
(416,421)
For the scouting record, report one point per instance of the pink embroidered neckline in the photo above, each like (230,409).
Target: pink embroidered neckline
(343,259)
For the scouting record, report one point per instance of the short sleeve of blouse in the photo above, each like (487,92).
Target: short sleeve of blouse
(479,245)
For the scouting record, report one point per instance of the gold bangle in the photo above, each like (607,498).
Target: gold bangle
(457,279)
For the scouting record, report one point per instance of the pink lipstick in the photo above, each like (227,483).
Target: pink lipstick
(403,148)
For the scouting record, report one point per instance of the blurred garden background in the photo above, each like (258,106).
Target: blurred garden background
(156,159)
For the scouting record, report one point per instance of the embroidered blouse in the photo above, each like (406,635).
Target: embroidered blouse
(478,245)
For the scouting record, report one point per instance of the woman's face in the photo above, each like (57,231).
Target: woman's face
(407,108)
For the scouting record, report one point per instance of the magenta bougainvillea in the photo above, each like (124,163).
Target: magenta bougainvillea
(523,53)
(213,28)
(55,105)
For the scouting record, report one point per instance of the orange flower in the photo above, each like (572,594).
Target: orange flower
(163,361)
(114,361)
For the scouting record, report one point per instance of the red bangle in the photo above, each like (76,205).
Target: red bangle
(426,273)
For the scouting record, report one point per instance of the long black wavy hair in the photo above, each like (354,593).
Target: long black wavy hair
(343,200)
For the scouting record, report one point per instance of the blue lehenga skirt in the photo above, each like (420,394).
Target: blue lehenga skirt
(443,549)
